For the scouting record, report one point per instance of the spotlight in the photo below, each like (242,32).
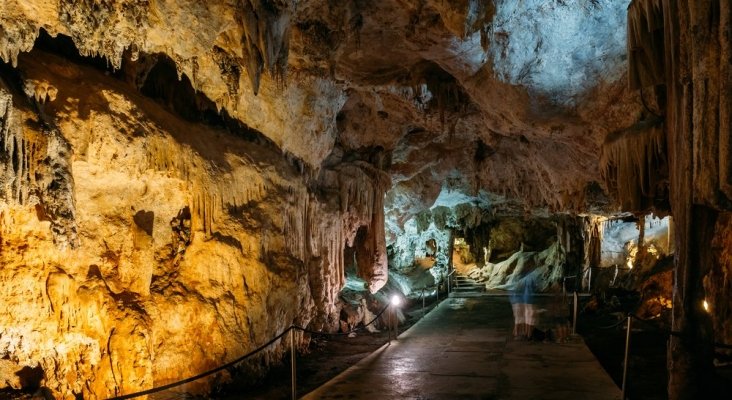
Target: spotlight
(706,306)
(396,301)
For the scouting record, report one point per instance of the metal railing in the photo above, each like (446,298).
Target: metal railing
(576,277)
(422,297)
(449,282)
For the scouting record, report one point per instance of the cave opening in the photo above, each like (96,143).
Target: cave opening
(64,47)
(175,91)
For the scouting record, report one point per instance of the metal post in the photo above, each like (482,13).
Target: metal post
(388,319)
(574,313)
(293,371)
(589,282)
(423,302)
(395,323)
(625,363)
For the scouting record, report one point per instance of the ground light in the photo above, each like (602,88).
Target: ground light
(706,305)
(395,302)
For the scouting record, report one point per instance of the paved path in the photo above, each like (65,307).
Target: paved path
(463,350)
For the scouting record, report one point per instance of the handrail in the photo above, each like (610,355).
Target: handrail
(242,358)
(622,321)
(421,295)
(422,290)
(577,274)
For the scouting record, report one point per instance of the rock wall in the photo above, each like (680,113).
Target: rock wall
(126,231)
(282,125)
(718,281)
(693,38)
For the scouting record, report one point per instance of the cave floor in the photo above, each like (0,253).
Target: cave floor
(464,349)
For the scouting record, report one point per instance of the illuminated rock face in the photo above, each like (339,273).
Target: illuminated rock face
(427,82)
(127,232)
(535,44)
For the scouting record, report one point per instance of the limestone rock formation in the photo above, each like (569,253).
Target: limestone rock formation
(178,169)
(134,230)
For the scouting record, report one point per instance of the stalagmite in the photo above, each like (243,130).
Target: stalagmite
(593,228)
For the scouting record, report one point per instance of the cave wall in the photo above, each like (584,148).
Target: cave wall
(718,280)
(697,82)
(126,230)
(430,83)
(695,51)
(499,249)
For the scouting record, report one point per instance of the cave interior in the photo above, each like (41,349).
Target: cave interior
(182,181)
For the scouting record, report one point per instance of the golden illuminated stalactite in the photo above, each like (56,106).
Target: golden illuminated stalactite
(362,188)
(184,228)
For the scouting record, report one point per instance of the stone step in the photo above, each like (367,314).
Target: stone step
(469,285)
(463,285)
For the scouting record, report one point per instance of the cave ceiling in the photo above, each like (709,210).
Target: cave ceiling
(504,102)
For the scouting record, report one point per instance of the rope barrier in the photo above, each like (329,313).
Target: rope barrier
(203,374)
(622,321)
(677,333)
(242,358)
(341,333)
(629,319)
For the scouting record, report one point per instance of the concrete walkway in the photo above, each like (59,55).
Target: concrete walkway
(463,350)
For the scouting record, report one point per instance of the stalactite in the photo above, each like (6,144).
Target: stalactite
(266,38)
(15,38)
(308,228)
(645,44)
(211,193)
(19,154)
(633,164)
(36,169)
(695,47)
(641,225)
